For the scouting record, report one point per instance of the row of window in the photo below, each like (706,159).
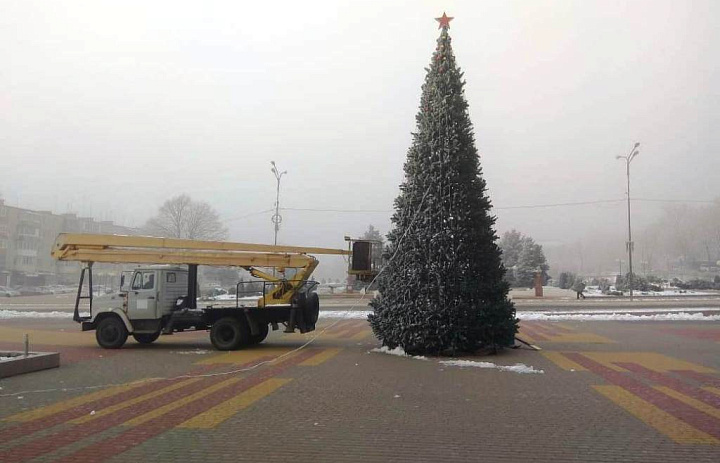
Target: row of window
(25,260)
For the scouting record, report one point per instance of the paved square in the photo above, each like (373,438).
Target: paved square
(610,391)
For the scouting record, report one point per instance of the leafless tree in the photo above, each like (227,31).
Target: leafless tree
(181,217)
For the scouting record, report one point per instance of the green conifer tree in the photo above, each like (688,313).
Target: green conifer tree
(442,291)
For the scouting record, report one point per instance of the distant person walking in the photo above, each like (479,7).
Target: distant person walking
(579,287)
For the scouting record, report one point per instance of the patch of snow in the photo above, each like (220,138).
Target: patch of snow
(6,358)
(690,314)
(349,314)
(397,351)
(617,316)
(8,314)
(190,352)
(517,368)
(594,291)
(645,310)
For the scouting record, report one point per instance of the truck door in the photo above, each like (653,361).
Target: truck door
(142,297)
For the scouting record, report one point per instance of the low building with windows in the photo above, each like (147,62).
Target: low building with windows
(27,237)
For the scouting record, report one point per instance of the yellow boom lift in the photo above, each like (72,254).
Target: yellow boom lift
(161,299)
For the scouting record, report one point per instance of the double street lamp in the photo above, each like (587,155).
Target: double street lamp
(277,218)
(629,245)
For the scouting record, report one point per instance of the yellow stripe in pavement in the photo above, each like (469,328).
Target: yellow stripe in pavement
(702,406)
(179,403)
(675,429)
(563,362)
(55,338)
(225,410)
(44,412)
(319,358)
(131,402)
(585,338)
(246,355)
(714,390)
(651,360)
(361,335)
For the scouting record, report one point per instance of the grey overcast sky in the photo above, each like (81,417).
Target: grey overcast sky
(110,108)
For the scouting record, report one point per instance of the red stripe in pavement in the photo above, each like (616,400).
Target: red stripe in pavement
(524,328)
(672,383)
(25,429)
(544,330)
(135,436)
(556,327)
(702,378)
(676,408)
(711,335)
(353,331)
(66,436)
(342,327)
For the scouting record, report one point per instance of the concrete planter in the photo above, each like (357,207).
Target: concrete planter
(18,363)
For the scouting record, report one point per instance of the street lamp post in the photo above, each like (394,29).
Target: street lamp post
(629,245)
(277,218)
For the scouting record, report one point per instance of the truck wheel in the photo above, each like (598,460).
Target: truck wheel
(311,310)
(229,334)
(111,333)
(260,337)
(146,338)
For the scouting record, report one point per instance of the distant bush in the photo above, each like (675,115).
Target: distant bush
(566,280)
(698,284)
(639,283)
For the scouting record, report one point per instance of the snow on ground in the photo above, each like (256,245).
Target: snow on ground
(192,352)
(660,314)
(7,314)
(517,368)
(230,297)
(594,291)
(7,358)
(619,315)
(397,351)
(350,314)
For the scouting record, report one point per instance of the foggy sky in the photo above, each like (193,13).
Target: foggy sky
(110,108)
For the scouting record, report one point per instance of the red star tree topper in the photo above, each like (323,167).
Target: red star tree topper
(444,21)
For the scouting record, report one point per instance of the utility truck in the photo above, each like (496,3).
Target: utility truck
(161,295)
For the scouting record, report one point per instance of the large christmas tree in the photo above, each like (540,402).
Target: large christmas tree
(442,291)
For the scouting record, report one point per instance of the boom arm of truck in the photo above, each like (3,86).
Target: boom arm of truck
(90,248)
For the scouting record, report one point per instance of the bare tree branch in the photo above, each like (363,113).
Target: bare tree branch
(181,217)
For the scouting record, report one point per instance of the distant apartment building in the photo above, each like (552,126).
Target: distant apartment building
(27,237)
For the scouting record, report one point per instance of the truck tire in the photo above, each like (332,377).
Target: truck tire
(146,338)
(229,333)
(111,333)
(311,310)
(260,337)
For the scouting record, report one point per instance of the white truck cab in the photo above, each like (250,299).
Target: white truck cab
(147,296)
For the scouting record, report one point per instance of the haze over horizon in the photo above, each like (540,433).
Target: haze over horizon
(110,109)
